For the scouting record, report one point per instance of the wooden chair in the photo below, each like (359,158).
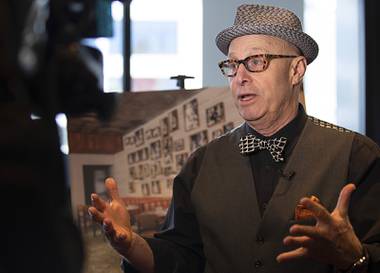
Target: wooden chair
(83,219)
(147,224)
(85,222)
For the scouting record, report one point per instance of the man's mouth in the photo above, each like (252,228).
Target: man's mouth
(246,97)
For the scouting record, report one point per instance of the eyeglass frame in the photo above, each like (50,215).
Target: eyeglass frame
(267,57)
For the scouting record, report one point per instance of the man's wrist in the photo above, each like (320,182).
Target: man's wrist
(131,245)
(360,265)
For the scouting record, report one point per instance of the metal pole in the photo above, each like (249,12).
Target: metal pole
(127,47)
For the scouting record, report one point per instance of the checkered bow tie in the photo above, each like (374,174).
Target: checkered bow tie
(250,143)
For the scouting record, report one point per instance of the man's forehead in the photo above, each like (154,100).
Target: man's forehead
(235,53)
(257,43)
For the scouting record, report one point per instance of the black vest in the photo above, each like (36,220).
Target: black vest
(236,238)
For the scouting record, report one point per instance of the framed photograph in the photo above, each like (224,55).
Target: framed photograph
(191,115)
(130,158)
(169,183)
(140,171)
(198,139)
(131,187)
(180,160)
(151,170)
(155,187)
(165,129)
(179,145)
(155,169)
(139,137)
(215,114)
(173,120)
(129,140)
(168,159)
(145,189)
(155,150)
(134,157)
(156,132)
(168,170)
(217,133)
(145,152)
(133,172)
(140,155)
(167,149)
(167,145)
(146,170)
(148,134)
(228,127)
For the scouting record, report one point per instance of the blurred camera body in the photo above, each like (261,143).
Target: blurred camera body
(44,70)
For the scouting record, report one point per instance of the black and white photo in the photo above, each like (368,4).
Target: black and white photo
(191,115)
(215,114)
(197,140)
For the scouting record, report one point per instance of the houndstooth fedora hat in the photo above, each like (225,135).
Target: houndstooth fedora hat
(268,20)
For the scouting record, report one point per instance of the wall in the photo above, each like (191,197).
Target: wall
(143,168)
(218,15)
(155,173)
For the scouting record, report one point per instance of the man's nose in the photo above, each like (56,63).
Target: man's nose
(242,74)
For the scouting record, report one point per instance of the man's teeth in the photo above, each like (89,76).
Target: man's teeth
(245,97)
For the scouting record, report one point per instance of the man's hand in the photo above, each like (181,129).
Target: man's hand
(332,240)
(114,218)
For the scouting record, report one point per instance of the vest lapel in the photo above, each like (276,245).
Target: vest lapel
(239,169)
(302,175)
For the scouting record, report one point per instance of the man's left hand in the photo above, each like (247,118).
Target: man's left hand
(332,240)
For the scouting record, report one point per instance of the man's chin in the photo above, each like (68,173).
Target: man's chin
(251,117)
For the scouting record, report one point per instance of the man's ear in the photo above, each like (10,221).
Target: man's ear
(297,69)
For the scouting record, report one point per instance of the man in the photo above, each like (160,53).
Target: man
(233,207)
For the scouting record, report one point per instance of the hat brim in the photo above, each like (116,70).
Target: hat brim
(301,40)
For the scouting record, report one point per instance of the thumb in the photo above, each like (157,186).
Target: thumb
(344,199)
(111,187)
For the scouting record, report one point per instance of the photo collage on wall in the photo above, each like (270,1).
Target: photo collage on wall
(159,153)
(154,160)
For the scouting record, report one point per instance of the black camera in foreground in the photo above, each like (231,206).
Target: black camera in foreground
(44,70)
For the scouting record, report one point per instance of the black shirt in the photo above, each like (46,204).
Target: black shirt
(266,171)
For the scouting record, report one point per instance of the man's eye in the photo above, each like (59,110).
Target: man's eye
(229,65)
(256,61)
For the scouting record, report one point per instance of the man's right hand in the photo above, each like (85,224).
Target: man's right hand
(114,218)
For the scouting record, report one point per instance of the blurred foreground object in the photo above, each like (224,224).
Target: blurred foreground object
(44,70)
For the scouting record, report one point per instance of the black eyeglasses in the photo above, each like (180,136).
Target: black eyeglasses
(254,63)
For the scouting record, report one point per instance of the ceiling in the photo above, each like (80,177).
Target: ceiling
(132,109)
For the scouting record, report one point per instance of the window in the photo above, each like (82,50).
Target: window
(166,41)
(149,37)
(334,83)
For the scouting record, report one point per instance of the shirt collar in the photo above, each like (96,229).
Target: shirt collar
(291,131)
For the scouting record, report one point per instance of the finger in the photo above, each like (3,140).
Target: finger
(320,213)
(344,199)
(120,236)
(96,215)
(109,229)
(291,255)
(112,189)
(298,241)
(98,202)
(300,230)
